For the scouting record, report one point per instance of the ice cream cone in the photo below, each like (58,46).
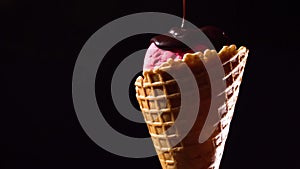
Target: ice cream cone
(159,98)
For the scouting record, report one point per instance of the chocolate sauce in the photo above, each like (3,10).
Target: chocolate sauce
(174,39)
(183,12)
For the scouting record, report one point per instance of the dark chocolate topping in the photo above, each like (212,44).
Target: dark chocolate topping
(172,40)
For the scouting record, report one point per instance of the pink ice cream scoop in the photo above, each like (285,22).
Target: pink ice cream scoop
(155,56)
(163,47)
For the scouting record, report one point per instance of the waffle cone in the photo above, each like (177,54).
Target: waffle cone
(161,115)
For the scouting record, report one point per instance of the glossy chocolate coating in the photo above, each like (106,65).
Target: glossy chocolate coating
(172,40)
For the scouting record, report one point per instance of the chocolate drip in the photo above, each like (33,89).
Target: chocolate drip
(183,12)
(173,39)
(168,43)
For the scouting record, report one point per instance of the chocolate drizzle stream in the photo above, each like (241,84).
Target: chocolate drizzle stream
(173,40)
(183,12)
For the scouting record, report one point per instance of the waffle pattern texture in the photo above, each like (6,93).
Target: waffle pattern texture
(159,98)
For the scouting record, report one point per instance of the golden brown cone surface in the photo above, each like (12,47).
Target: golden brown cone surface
(159,98)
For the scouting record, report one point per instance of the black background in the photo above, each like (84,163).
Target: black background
(40,41)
